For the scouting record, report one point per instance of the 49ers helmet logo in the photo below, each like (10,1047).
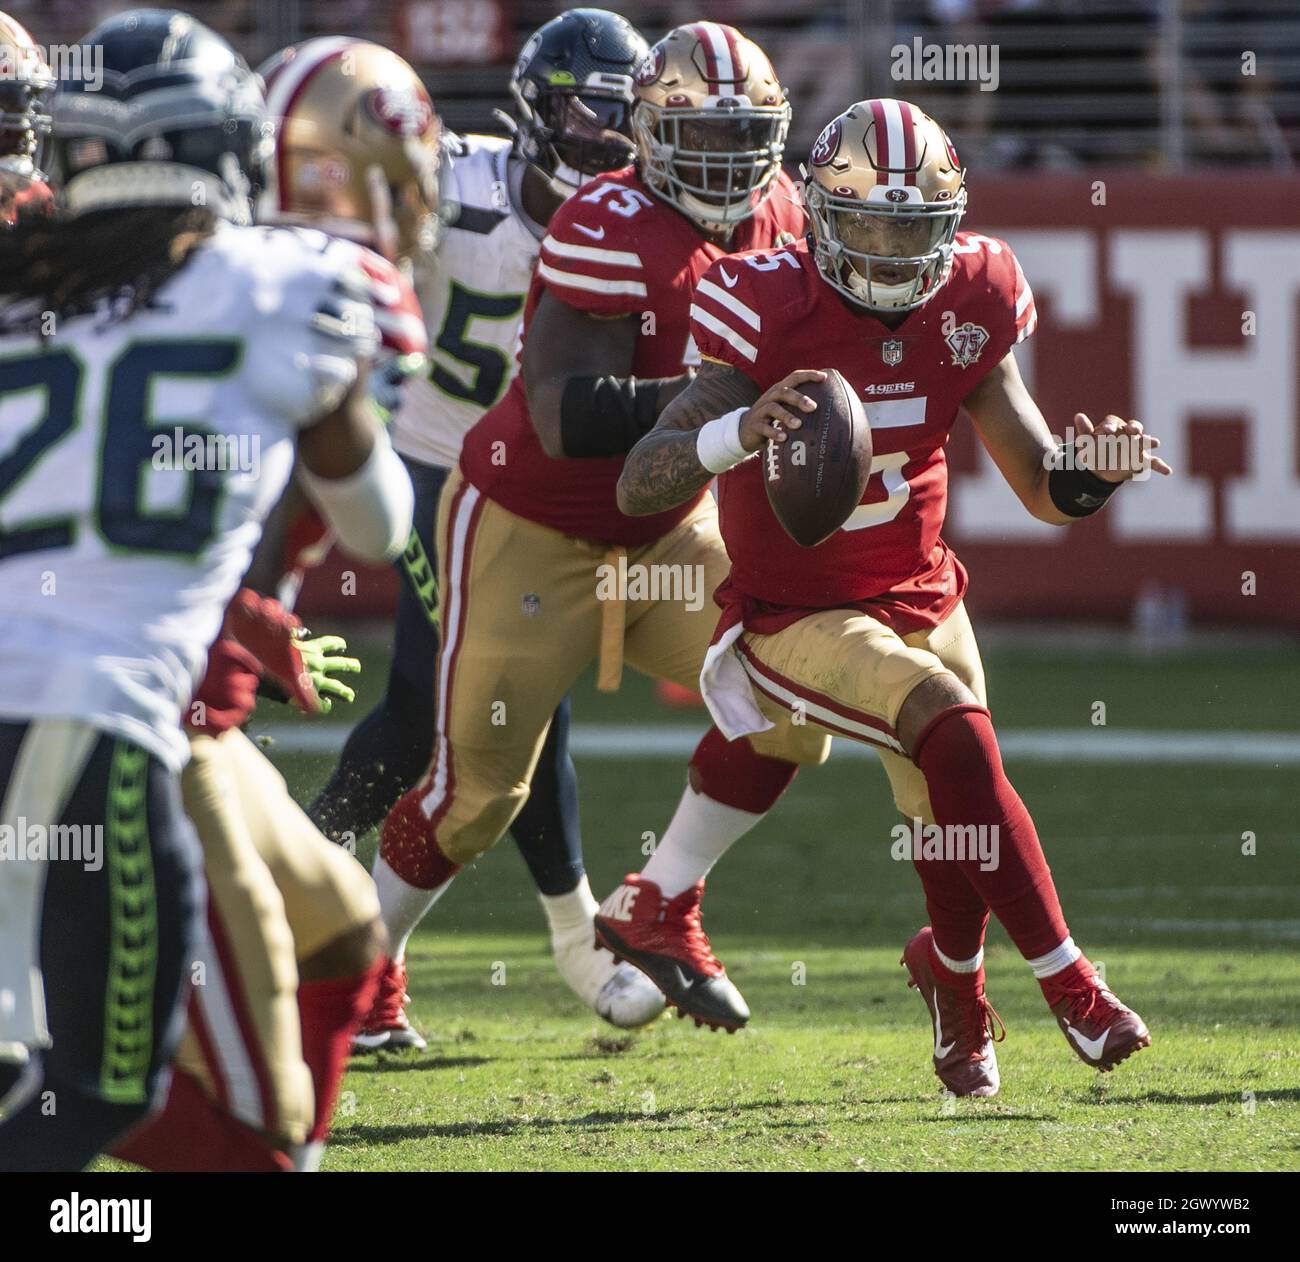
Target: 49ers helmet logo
(651,67)
(404,111)
(827,145)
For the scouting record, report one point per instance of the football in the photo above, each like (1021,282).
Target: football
(815,478)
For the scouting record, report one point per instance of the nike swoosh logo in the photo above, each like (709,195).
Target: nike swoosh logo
(729,281)
(1091,1048)
(940,1049)
(684,983)
(596,234)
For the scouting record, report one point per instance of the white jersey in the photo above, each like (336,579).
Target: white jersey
(473,300)
(138,459)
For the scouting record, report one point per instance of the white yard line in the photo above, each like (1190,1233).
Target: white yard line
(1279,930)
(1093,745)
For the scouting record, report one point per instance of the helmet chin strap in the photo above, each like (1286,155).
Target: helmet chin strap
(887,297)
(705,213)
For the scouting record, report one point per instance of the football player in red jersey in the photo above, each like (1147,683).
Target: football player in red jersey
(539,570)
(866,634)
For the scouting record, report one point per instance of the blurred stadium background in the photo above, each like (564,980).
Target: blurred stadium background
(1140,155)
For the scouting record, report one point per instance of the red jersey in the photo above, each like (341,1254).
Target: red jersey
(613,249)
(770,312)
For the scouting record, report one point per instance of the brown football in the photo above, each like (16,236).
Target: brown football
(815,478)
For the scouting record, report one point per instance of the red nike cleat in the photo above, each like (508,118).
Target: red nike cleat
(965,1026)
(1101,1030)
(664,938)
(386,1024)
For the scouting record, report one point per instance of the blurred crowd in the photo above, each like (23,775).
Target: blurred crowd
(1160,84)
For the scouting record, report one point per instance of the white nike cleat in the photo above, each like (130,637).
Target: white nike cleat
(621,994)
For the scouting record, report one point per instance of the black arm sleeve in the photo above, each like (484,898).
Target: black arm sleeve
(606,416)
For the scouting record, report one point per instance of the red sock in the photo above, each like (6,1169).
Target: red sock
(958,752)
(331,1012)
(194,1133)
(958,915)
(963,983)
(737,775)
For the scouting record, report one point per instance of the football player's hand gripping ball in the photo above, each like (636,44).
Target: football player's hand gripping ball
(778,409)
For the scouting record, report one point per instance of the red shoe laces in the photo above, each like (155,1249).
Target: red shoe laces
(987,1024)
(1085,999)
(696,940)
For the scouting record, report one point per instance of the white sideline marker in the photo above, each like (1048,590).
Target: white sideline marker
(615,741)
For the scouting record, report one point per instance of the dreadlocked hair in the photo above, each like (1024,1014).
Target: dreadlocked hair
(117,258)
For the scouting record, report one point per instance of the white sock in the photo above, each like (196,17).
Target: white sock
(402,905)
(700,832)
(565,912)
(1055,961)
(960,966)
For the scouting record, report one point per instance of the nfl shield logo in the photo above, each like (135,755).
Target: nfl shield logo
(892,352)
(532,605)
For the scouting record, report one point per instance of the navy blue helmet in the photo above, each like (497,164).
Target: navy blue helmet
(178,119)
(573,91)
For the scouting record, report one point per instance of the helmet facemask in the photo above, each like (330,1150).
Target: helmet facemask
(574,134)
(715,164)
(24,126)
(883,255)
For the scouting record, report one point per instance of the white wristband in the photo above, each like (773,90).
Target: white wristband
(718,443)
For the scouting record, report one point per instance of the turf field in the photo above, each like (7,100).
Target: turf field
(810,912)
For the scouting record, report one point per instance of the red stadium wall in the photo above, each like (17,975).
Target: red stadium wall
(1172,300)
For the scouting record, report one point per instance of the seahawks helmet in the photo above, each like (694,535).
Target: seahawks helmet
(572,87)
(178,120)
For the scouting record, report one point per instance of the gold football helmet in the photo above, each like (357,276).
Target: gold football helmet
(710,123)
(25,84)
(885,194)
(358,145)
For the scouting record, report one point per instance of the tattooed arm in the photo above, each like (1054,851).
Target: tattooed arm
(664,468)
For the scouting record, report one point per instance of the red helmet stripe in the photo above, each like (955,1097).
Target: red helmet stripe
(701,32)
(287,85)
(882,135)
(733,50)
(720,62)
(909,142)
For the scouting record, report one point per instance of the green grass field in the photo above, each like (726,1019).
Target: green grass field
(810,913)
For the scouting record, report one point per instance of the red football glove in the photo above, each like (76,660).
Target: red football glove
(268,630)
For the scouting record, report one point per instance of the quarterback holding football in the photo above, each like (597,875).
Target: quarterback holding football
(865,635)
